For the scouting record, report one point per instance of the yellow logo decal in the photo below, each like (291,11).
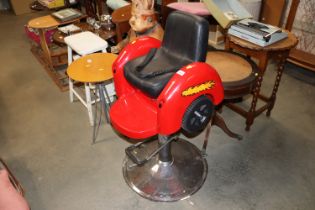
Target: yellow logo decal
(198,88)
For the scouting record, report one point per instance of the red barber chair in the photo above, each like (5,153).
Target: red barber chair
(163,89)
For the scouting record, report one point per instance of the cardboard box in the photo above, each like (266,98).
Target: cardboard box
(227,12)
(52,4)
(21,6)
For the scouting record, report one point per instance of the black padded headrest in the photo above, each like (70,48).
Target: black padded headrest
(186,35)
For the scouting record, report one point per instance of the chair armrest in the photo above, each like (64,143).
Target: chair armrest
(187,84)
(137,48)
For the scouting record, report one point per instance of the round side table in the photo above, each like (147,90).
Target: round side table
(44,23)
(279,52)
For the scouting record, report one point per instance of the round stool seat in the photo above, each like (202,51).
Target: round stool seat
(238,73)
(92,68)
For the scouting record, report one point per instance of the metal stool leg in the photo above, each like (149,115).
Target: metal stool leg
(89,103)
(105,101)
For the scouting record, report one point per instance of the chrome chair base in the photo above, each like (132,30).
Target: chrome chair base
(167,181)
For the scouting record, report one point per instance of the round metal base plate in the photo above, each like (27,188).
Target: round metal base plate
(167,181)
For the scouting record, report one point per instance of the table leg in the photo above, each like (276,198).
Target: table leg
(227,43)
(218,121)
(282,59)
(118,33)
(263,62)
(44,47)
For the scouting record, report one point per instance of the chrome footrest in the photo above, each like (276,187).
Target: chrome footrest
(133,151)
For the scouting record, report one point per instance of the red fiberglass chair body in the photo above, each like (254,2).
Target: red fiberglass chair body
(164,88)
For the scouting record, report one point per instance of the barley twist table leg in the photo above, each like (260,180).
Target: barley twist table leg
(263,62)
(251,112)
(281,62)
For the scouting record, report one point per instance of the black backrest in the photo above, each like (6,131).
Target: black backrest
(186,35)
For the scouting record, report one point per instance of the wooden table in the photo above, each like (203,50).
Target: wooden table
(44,23)
(278,51)
(44,53)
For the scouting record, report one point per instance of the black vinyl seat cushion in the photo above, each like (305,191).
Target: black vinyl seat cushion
(185,41)
(154,76)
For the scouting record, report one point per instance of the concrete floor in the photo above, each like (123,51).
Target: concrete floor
(47,143)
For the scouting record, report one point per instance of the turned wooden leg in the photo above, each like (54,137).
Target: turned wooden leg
(263,61)
(282,59)
(45,48)
(251,113)
(219,121)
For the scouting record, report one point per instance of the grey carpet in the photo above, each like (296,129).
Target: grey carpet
(46,141)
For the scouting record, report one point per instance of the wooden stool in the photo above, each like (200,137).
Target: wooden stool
(97,69)
(238,74)
(121,18)
(84,43)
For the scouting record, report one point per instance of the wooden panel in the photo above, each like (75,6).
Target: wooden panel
(303,59)
(271,12)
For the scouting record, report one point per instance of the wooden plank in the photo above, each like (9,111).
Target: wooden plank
(303,59)
(272,11)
